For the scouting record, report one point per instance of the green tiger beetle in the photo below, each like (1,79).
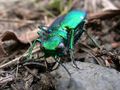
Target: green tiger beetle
(61,36)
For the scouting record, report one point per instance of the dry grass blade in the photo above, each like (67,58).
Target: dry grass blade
(108,5)
(103,14)
(92,53)
(6,79)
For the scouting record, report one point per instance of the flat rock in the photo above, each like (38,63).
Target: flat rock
(87,77)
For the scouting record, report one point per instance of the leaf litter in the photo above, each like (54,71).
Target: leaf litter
(19,26)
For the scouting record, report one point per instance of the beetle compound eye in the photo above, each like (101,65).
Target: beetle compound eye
(49,31)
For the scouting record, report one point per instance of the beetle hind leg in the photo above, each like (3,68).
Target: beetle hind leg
(73,59)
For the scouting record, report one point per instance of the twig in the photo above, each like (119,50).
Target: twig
(92,53)
(108,5)
(32,72)
(103,14)
(95,43)
(6,79)
(16,21)
(14,61)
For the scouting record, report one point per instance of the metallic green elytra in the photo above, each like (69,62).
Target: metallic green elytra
(63,33)
(73,19)
(67,25)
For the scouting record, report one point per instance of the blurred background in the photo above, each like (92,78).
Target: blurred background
(42,9)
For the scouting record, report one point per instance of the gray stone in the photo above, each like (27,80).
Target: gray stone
(87,77)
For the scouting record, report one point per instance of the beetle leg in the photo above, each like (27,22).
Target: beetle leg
(72,58)
(71,51)
(31,48)
(71,39)
(57,59)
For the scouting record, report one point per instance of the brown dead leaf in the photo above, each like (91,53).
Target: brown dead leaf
(23,35)
(10,24)
(19,30)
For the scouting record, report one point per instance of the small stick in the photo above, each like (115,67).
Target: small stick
(96,44)
(14,61)
(32,72)
(16,21)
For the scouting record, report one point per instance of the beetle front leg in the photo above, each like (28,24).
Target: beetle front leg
(31,48)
